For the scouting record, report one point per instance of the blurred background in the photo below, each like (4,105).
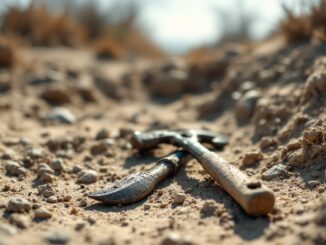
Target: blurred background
(115,28)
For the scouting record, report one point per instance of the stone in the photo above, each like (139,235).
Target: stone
(87,177)
(296,158)
(79,226)
(45,187)
(52,199)
(45,173)
(20,221)
(76,169)
(102,134)
(247,86)
(83,203)
(58,237)
(18,205)
(86,92)
(99,148)
(91,220)
(174,238)
(267,141)
(57,164)
(167,82)
(125,132)
(45,79)
(42,213)
(48,193)
(251,158)
(62,115)
(179,198)
(56,96)
(35,153)
(245,106)
(313,183)
(278,170)
(15,169)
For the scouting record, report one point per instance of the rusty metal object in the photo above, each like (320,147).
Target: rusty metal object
(135,187)
(255,198)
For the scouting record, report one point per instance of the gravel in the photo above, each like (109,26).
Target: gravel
(15,169)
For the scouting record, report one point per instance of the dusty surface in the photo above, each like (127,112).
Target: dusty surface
(276,123)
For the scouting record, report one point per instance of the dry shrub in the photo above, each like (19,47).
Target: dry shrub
(107,48)
(199,55)
(8,54)
(138,44)
(304,27)
(76,24)
(41,27)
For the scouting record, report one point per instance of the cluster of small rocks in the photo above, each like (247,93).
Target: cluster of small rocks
(15,169)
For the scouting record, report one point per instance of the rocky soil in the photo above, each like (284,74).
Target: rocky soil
(66,121)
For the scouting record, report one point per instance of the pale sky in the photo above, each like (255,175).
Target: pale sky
(178,25)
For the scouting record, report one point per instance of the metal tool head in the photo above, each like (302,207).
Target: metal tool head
(148,140)
(135,187)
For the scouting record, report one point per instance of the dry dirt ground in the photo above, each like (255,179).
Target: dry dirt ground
(271,103)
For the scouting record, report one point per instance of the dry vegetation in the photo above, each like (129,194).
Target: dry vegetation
(306,26)
(79,24)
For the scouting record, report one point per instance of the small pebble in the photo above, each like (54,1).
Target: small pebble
(18,205)
(87,177)
(147,206)
(83,203)
(79,226)
(57,164)
(245,106)
(76,169)
(277,170)
(42,213)
(102,134)
(252,158)
(52,199)
(74,210)
(91,220)
(174,238)
(99,148)
(179,198)
(15,169)
(313,183)
(44,169)
(46,178)
(62,115)
(58,237)
(45,187)
(35,153)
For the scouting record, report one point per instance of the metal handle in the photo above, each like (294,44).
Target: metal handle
(255,198)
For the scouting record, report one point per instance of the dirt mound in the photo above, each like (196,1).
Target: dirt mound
(272,107)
